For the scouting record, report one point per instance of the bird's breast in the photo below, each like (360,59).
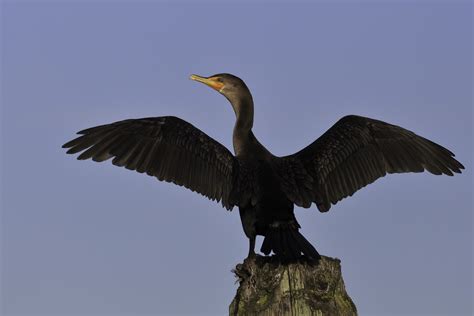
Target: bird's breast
(247,147)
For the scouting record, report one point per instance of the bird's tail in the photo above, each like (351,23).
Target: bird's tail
(287,243)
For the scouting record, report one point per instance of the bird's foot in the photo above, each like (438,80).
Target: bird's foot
(251,256)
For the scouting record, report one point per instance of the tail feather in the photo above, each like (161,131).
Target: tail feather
(267,244)
(287,243)
(305,245)
(278,241)
(293,247)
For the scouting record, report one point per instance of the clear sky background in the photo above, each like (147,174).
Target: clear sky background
(74,241)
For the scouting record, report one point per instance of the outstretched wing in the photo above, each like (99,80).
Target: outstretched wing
(167,148)
(354,152)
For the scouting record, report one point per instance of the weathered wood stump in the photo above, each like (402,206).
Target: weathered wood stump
(302,288)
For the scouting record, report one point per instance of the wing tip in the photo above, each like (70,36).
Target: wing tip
(87,130)
(323,207)
(70,151)
(69,144)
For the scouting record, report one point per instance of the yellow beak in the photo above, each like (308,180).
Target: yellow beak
(211,82)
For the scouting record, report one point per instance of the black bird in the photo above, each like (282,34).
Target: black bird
(351,154)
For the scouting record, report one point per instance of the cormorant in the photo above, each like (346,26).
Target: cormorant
(351,154)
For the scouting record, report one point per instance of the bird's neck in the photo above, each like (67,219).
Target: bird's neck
(243,108)
(243,136)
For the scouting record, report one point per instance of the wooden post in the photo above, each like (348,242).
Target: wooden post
(302,288)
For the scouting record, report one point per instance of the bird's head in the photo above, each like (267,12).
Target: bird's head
(232,87)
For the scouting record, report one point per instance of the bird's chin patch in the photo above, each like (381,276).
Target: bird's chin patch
(216,85)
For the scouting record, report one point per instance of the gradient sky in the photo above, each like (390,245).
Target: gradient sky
(74,241)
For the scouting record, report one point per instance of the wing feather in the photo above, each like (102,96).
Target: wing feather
(353,153)
(167,148)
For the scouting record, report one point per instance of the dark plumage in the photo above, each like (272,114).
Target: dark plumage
(354,152)
(167,148)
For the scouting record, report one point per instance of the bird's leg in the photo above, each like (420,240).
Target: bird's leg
(251,247)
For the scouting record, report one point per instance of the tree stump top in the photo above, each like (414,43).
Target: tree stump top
(268,287)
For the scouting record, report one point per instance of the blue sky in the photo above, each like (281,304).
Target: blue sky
(73,241)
